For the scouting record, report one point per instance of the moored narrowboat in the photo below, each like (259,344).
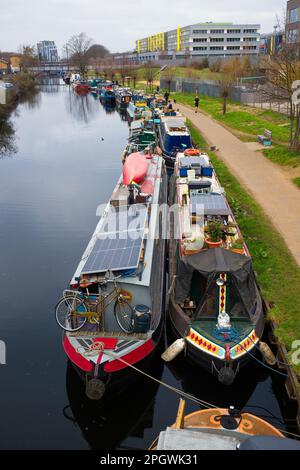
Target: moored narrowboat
(174,136)
(215,306)
(123,98)
(112,313)
(221,429)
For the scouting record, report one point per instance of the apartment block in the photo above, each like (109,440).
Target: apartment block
(202,39)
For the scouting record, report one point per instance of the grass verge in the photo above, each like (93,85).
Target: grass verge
(296,181)
(250,121)
(277,271)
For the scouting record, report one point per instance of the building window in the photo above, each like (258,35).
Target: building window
(199,48)
(250,31)
(233,31)
(217,31)
(199,31)
(233,48)
(249,48)
(233,39)
(294,15)
(216,39)
(217,48)
(293,35)
(250,39)
(199,39)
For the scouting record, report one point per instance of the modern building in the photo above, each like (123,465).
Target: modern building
(47,51)
(293,21)
(201,40)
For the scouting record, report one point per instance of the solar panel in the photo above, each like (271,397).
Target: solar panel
(124,218)
(115,254)
(119,243)
(212,204)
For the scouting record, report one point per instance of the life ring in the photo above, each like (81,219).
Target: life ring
(192,152)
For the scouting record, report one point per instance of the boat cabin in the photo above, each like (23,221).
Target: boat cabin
(175,135)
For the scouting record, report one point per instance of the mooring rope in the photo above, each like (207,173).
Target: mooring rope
(198,401)
(99,348)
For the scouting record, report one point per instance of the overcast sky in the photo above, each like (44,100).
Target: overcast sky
(118,23)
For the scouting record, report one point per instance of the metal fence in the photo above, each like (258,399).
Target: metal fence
(252,94)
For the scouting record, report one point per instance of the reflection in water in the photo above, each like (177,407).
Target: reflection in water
(51,84)
(31,100)
(128,414)
(81,107)
(7,139)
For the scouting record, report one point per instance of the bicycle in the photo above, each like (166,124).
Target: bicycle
(73,310)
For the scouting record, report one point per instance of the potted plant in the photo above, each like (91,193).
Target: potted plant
(214,234)
(238,246)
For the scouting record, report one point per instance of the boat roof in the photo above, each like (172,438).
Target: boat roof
(194,439)
(123,233)
(175,126)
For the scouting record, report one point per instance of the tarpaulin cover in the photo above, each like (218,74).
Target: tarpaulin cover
(210,264)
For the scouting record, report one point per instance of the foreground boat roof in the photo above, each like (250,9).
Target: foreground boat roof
(121,235)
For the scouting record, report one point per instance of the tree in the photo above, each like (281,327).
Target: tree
(29,56)
(225,85)
(149,74)
(168,75)
(282,71)
(77,48)
(97,51)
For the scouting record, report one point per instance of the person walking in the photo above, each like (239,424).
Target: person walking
(197,104)
(166,96)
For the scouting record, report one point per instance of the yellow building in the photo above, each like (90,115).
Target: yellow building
(15,62)
(3,65)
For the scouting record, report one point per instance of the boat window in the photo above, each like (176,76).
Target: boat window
(198,288)
(207,297)
(209,300)
(234,305)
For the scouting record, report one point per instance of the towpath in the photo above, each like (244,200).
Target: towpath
(267,183)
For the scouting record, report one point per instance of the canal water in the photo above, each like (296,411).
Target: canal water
(63,162)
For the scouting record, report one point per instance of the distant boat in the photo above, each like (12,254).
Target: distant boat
(221,429)
(136,108)
(174,136)
(107,95)
(81,88)
(123,97)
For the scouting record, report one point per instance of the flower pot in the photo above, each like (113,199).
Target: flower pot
(211,244)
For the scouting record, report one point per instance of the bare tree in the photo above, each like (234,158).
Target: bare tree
(78,48)
(149,74)
(225,85)
(29,56)
(282,71)
(168,75)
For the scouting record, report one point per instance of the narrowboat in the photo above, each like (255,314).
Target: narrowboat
(81,88)
(221,429)
(107,95)
(123,97)
(215,306)
(112,314)
(142,136)
(174,136)
(136,108)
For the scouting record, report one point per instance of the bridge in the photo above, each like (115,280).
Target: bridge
(54,67)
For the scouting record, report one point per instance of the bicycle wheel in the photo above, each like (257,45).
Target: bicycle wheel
(69,313)
(124,315)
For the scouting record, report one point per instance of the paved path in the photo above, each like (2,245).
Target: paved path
(279,198)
